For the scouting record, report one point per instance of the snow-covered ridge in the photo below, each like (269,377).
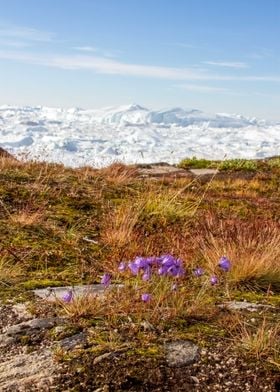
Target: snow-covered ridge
(132,134)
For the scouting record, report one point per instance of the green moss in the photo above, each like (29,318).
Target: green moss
(196,163)
(237,208)
(204,329)
(62,332)
(14,294)
(226,165)
(39,284)
(274,162)
(257,297)
(151,351)
(25,339)
(238,164)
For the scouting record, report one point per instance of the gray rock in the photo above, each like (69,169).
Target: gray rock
(57,293)
(28,372)
(204,172)
(181,352)
(29,327)
(161,170)
(71,342)
(21,310)
(6,154)
(6,340)
(244,305)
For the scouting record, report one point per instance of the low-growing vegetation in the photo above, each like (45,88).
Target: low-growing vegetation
(248,165)
(168,252)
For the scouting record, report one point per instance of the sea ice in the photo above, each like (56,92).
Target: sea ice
(133,134)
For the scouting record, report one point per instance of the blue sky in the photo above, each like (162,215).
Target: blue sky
(215,55)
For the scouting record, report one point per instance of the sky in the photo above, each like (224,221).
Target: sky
(213,55)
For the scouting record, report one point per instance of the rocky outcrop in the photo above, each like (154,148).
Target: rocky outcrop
(6,154)
(28,371)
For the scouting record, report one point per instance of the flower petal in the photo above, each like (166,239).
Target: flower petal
(106,279)
(146,297)
(224,264)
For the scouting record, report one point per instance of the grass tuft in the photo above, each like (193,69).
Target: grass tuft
(260,342)
(253,250)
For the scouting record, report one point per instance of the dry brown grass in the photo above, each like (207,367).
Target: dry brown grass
(8,270)
(82,306)
(124,302)
(168,205)
(9,162)
(119,225)
(118,173)
(238,187)
(261,341)
(124,225)
(254,251)
(26,217)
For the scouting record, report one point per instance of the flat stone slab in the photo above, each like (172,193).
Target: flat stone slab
(30,326)
(244,305)
(162,170)
(204,172)
(57,293)
(181,352)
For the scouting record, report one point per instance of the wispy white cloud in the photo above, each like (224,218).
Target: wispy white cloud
(105,65)
(101,64)
(100,52)
(86,48)
(227,64)
(25,33)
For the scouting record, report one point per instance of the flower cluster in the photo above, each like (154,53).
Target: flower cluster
(165,265)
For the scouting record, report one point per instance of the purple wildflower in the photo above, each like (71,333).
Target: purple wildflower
(147,274)
(166,262)
(176,271)
(146,297)
(224,264)
(68,297)
(122,266)
(171,266)
(213,280)
(106,280)
(198,272)
(139,263)
(142,262)
(133,268)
